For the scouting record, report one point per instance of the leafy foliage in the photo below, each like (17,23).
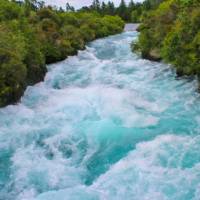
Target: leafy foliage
(173,31)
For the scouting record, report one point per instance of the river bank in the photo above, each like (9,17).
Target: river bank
(171,32)
(35,36)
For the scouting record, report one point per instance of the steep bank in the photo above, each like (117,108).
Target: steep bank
(32,36)
(172,33)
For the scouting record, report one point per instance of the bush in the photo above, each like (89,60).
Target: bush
(173,29)
(12,69)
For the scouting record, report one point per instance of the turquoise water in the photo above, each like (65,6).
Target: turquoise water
(104,125)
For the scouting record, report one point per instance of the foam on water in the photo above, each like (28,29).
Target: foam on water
(105,124)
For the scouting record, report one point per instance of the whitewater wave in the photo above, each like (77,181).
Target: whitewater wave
(166,168)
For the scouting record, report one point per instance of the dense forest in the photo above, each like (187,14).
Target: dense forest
(171,32)
(132,12)
(33,35)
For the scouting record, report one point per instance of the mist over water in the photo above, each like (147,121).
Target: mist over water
(104,125)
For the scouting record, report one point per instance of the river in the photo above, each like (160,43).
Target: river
(104,125)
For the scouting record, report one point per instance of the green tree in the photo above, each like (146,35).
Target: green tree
(12,69)
(122,11)
(96,5)
(104,8)
(111,8)
(69,8)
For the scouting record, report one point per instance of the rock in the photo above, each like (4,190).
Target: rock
(153,55)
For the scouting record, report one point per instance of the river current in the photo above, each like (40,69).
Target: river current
(104,125)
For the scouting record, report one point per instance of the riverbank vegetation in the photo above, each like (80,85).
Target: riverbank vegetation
(171,32)
(33,35)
